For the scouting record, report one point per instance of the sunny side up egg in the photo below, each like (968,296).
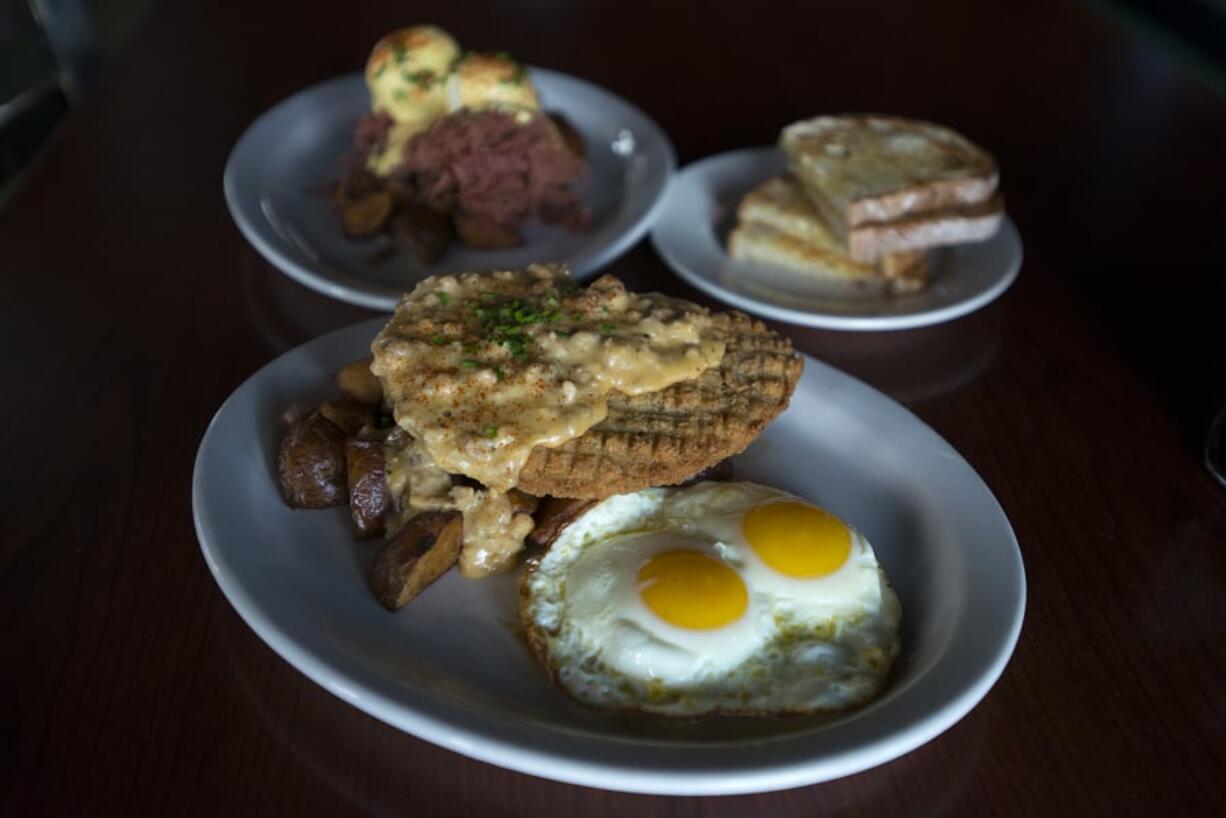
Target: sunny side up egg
(719,597)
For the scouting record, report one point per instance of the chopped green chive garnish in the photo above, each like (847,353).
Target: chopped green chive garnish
(606,327)
(469,363)
(517,76)
(576,316)
(443,298)
(491,431)
(497,371)
(423,78)
(438,340)
(551,301)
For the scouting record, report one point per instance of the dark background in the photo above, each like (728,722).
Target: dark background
(130,307)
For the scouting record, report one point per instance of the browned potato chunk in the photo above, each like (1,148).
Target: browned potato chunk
(366,215)
(369,498)
(569,134)
(484,234)
(359,383)
(420,553)
(554,514)
(521,502)
(426,232)
(348,414)
(311,463)
(355,184)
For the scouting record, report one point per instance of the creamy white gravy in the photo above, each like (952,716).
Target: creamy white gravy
(493,531)
(480,368)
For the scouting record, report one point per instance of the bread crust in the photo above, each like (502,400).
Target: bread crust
(869,242)
(921,198)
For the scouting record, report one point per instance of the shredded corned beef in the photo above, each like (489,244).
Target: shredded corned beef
(488,165)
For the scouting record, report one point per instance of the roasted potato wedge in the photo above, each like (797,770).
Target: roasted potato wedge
(366,215)
(422,551)
(355,184)
(522,503)
(348,414)
(369,498)
(426,232)
(311,463)
(555,513)
(359,383)
(485,234)
(569,134)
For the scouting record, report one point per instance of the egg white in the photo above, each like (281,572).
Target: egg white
(801,646)
(601,592)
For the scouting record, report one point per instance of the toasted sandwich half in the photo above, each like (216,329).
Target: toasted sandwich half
(777,224)
(862,172)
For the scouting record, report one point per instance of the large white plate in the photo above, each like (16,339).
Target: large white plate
(700,209)
(451,669)
(277,175)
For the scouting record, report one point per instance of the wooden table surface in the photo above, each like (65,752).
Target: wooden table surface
(131,307)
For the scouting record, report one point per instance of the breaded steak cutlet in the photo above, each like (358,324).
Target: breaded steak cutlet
(664,437)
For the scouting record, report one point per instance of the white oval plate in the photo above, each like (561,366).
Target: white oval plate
(700,210)
(451,668)
(277,175)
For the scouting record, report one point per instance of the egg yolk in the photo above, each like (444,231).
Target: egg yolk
(796,539)
(692,590)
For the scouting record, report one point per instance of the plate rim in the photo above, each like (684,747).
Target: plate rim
(285,262)
(862,323)
(493,746)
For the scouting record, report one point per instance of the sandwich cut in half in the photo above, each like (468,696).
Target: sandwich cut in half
(888,185)
(777,224)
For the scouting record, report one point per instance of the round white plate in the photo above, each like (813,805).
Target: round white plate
(278,174)
(451,668)
(700,210)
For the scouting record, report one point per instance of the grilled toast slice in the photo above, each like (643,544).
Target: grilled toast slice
(778,225)
(758,242)
(862,169)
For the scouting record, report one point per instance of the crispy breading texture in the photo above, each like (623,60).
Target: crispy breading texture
(664,437)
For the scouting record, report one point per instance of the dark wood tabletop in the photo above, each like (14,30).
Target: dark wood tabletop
(131,307)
